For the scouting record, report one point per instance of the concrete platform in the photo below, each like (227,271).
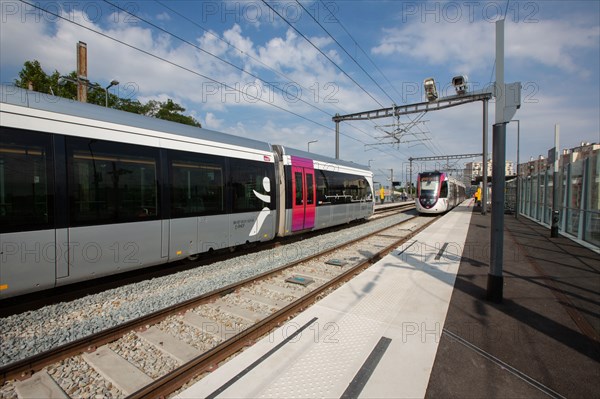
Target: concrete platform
(542,340)
(417,324)
(393,314)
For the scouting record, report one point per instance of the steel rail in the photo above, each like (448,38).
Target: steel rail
(24,368)
(169,383)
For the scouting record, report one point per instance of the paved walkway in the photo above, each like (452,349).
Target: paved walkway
(416,324)
(542,340)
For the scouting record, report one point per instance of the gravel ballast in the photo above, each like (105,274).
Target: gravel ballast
(33,332)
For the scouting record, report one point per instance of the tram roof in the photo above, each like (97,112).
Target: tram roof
(322,158)
(46,102)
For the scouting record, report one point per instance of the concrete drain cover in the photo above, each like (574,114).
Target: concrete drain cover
(336,262)
(299,280)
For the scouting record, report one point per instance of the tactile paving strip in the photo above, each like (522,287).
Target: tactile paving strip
(337,356)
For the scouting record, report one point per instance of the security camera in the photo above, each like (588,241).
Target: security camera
(460,84)
(430,89)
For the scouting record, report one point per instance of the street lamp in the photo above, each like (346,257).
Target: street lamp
(64,79)
(370,160)
(112,83)
(308,144)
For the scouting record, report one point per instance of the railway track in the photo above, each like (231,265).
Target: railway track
(392,209)
(155,355)
(37,300)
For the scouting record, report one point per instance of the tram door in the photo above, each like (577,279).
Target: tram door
(303,198)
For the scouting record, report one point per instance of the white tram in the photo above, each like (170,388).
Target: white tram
(87,191)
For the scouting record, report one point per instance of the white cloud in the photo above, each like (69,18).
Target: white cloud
(163,16)
(212,122)
(315,79)
(553,43)
(467,47)
(410,50)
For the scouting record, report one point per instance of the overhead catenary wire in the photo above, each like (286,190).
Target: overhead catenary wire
(244,53)
(237,67)
(347,53)
(266,66)
(362,50)
(372,62)
(241,69)
(322,53)
(37,6)
(433,148)
(184,68)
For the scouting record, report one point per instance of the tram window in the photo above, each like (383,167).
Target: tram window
(111,182)
(428,185)
(197,184)
(444,190)
(310,189)
(246,177)
(299,187)
(322,188)
(340,188)
(26,184)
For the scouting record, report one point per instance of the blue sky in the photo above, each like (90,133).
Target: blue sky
(216,58)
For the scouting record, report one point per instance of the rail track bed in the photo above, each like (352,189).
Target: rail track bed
(392,209)
(37,300)
(156,354)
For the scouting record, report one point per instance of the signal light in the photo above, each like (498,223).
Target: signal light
(430,89)
(460,84)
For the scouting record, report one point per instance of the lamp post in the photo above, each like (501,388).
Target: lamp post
(518,191)
(112,83)
(308,144)
(64,79)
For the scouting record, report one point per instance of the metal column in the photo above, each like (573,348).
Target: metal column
(484,191)
(337,140)
(495,279)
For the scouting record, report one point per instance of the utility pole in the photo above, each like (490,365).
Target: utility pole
(392,185)
(410,172)
(506,107)
(484,184)
(337,138)
(82,80)
(495,278)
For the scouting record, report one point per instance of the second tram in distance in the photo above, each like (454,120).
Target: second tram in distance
(438,193)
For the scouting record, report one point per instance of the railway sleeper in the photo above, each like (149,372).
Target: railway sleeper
(169,345)
(282,290)
(274,303)
(124,375)
(238,311)
(40,385)
(210,327)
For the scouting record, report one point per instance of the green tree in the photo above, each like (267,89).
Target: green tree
(126,104)
(33,75)
(170,111)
